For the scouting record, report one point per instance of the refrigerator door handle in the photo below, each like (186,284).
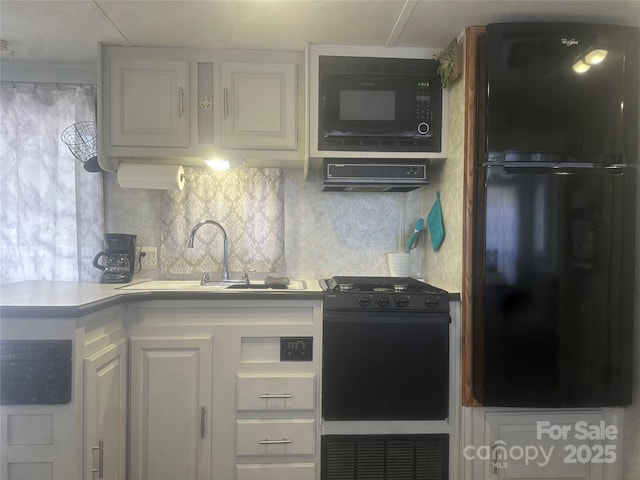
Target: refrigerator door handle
(561,169)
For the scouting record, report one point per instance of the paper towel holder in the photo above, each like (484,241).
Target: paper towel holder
(147,176)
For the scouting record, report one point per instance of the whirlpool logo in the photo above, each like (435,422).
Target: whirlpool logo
(569,42)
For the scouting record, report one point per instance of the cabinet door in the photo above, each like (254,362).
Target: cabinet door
(170,406)
(149,101)
(259,105)
(547,445)
(105,403)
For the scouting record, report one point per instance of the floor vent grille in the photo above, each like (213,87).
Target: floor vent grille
(385,457)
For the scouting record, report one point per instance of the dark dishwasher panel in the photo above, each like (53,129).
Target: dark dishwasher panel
(35,372)
(385,457)
(385,366)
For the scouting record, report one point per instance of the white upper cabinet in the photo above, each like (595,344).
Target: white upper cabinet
(259,105)
(149,103)
(185,106)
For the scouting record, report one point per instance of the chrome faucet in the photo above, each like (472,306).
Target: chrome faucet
(225,258)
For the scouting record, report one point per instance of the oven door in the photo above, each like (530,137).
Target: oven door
(385,366)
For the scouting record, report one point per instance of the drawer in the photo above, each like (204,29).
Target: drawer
(282,392)
(289,471)
(275,437)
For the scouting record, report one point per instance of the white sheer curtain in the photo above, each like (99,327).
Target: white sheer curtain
(51,209)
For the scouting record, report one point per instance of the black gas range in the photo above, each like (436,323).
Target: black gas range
(385,371)
(383,293)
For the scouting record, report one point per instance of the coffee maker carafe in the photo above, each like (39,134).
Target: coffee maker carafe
(119,258)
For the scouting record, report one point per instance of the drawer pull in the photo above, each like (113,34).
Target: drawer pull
(275,442)
(100,449)
(276,395)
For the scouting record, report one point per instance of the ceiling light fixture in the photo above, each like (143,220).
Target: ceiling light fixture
(580,67)
(595,57)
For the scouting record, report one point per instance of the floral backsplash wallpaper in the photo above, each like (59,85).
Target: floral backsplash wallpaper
(247,202)
(324,233)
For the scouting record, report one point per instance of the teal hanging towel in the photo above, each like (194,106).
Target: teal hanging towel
(434,223)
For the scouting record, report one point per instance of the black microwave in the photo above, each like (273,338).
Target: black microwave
(379,104)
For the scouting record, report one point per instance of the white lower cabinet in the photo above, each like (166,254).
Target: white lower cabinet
(170,382)
(211,397)
(276,423)
(544,444)
(105,407)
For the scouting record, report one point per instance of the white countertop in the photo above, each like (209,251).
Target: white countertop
(63,299)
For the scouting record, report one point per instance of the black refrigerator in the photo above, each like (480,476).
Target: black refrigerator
(554,241)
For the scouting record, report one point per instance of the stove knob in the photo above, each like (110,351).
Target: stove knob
(432,301)
(402,301)
(364,300)
(383,301)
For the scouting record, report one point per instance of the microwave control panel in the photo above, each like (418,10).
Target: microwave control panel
(423,107)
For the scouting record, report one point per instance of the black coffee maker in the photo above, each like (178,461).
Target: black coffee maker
(119,258)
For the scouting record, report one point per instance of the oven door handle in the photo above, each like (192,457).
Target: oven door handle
(379,317)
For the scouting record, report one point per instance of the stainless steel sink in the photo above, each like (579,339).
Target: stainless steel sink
(260,285)
(169,285)
(194,285)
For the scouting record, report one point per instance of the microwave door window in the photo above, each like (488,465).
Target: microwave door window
(368,105)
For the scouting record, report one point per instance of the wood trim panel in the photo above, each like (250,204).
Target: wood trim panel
(473,108)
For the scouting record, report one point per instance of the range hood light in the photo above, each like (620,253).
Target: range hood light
(595,57)
(580,67)
(221,164)
(218,164)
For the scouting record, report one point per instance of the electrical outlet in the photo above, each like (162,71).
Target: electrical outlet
(149,258)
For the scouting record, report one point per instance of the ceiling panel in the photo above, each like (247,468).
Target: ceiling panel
(53,31)
(57,31)
(280,25)
(435,23)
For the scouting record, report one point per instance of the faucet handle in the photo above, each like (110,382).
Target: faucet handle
(245,277)
(205,278)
